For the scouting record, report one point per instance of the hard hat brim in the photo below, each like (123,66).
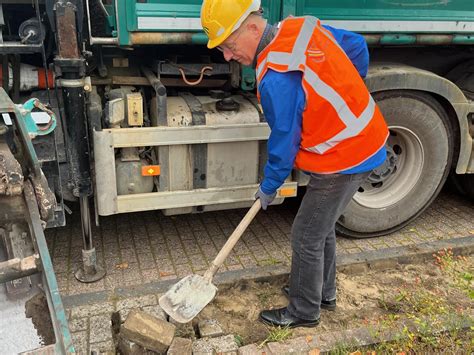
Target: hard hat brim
(213,43)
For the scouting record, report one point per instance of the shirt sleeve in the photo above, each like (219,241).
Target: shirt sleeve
(355,47)
(282,98)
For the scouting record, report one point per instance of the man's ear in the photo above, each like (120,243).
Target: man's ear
(253,30)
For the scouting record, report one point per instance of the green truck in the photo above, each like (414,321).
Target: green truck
(150,119)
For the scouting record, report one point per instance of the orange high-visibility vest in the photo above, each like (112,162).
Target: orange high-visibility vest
(342,126)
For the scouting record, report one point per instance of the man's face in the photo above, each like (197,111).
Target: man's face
(239,46)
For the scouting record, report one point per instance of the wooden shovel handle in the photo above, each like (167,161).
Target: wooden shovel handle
(233,239)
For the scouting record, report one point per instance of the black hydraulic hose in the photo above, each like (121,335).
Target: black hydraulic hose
(160,90)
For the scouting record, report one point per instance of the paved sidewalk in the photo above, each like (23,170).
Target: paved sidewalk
(143,252)
(139,248)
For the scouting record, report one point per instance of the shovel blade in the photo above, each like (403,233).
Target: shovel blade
(185,299)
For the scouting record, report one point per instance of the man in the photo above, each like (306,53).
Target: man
(323,121)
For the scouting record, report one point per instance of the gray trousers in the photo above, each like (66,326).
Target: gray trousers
(313,240)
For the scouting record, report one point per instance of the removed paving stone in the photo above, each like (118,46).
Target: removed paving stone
(221,345)
(184,330)
(181,346)
(127,347)
(210,328)
(148,331)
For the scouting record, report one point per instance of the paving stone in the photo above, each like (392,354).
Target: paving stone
(92,310)
(354,269)
(78,324)
(136,302)
(210,328)
(183,330)
(292,346)
(79,339)
(180,346)
(253,349)
(148,331)
(100,328)
(155,311)
(381,265)
(124,313)
(127,347)
(323,341)
(222,345)
(103,347)
(359,336)
(448,217)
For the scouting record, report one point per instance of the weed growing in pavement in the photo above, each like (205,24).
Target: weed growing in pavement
(239,340)
(269,262)
(265,296)
(454,267)
(276,334)
(429,320)
(344,348)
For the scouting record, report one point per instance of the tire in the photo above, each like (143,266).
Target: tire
(464,184)
(420,151)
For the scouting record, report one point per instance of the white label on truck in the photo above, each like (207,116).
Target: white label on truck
(403,26)
(169,23)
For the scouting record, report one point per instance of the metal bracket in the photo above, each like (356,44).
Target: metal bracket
(199,151)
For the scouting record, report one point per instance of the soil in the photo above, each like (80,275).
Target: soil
(37,309)
(361,300)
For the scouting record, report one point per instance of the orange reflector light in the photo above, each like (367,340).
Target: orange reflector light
(287,192)
(150,170)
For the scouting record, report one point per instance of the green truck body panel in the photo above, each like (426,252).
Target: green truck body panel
(166,16)
(454,17)
(398,10)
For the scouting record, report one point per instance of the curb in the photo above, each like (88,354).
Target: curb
(358,337)
(348,263)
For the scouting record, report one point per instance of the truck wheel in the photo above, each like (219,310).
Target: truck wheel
(419,155)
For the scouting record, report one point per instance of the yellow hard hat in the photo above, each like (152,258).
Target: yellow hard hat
(219,18)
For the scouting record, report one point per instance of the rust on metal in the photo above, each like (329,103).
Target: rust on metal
(142,81)
(15,268)
(11,176)
(44,196)
(67,32)
(161,38)
(196,82)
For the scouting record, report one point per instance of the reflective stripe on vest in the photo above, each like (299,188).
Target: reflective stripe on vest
(296,60)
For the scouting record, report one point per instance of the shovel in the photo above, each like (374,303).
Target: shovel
(185,299)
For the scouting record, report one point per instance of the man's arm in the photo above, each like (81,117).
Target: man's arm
(283,100)
(355,47)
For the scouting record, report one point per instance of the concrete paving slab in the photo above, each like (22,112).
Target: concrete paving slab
(138,248)
(145,253)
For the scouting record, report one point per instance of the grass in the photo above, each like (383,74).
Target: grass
(427,315)
(454,268)
(276,334)
(265,296)
(269,262)
(239,340)
(344,348)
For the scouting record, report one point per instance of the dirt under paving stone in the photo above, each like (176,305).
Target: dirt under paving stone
(361,299)
(37,309)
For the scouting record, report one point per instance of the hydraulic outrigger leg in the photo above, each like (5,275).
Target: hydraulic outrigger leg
(70,67)
(90,271)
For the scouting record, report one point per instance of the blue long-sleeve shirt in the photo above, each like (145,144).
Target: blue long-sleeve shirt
(283,101)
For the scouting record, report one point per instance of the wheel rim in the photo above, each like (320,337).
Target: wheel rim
(400,172)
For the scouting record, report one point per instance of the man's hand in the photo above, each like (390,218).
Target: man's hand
(265,199)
